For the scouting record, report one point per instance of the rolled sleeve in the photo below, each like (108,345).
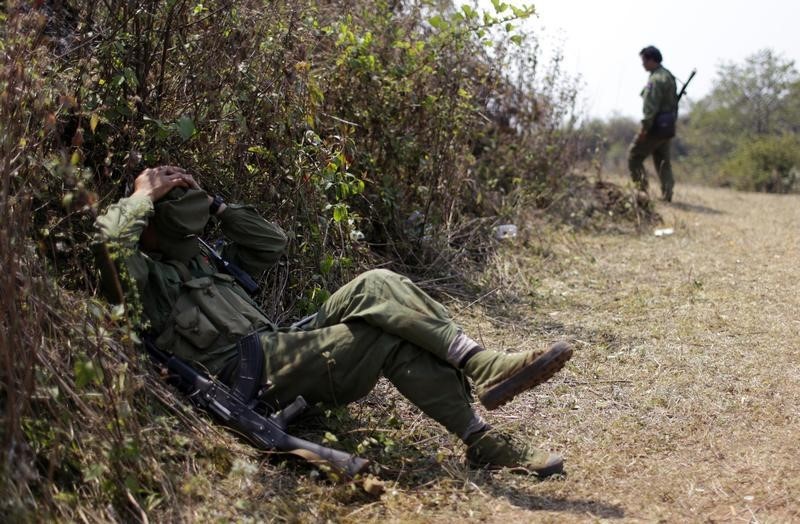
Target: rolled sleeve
(118,231)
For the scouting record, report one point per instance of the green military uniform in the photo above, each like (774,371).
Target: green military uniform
(659,96)
(379,323)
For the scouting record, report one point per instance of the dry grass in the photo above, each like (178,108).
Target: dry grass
(680,404)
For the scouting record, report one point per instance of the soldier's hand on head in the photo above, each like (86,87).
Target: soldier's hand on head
(188,177)
(156,182)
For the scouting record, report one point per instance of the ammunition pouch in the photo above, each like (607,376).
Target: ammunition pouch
(664,125)
(210,315)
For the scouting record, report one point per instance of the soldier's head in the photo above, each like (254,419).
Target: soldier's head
(651,58)
(179,217)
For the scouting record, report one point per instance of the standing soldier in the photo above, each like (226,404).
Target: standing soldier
(658,124)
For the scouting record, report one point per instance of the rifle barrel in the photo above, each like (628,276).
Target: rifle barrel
(685,84)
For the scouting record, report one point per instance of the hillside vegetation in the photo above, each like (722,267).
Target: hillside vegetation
(392,133)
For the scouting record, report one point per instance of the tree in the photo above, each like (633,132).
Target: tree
(757,92)
(608,140)
(757,100)
(759,97)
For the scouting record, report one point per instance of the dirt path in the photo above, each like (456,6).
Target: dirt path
(683,401)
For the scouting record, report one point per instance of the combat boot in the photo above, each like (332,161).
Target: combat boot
(499,377)
(492,449)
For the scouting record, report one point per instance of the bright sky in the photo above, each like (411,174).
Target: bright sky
(601,41)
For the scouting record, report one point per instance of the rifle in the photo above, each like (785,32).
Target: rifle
(264,432)
(683,89)
(241,276)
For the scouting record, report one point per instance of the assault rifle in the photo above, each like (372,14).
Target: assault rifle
(266,432)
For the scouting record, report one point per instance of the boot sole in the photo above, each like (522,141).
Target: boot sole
(556,468)
(535,373)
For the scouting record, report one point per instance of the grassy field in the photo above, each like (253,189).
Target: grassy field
(681,402)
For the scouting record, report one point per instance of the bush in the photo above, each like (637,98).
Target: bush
(397,122)
(767,164)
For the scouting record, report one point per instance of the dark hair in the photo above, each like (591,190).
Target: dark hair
(651,52)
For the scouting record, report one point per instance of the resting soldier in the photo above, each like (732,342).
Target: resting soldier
(379,323)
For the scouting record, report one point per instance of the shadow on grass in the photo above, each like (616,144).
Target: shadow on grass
(532,502)
(426,473)
(693,208)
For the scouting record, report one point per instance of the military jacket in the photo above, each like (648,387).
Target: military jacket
(196,312)
(659,96)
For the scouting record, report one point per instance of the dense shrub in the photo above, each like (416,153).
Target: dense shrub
(767,164)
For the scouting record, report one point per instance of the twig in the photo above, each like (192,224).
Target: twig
(347,517)
(342,120)
(577,383)
(142,515)
(477,300)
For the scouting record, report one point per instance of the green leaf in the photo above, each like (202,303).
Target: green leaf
(438,22)
(259,150)
(499,5)
(522,12)
(326,264)
(469,12)
(185,127)
(86,372)
(339,212)
(517,39)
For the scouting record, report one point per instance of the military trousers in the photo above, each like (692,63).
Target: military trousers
(380,323)
(659,149)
